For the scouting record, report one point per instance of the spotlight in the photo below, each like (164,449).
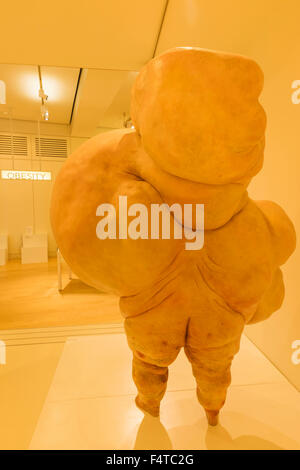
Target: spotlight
(45,112)
(127,122)
(44,98)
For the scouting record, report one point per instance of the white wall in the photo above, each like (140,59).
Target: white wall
(269,32)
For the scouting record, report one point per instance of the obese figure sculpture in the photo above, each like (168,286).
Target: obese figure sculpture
(198,137)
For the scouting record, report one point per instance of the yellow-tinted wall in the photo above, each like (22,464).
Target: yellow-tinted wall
(269,32)
(26,203)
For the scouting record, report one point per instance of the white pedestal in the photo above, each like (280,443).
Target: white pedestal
(34,249)
(3,250)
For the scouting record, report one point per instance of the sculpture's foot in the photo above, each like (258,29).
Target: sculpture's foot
(212,417)
(147,408)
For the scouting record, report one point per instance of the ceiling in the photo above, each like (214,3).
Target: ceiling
(106,34)
(107,42)
(86,100)
(102,99)
(88,66)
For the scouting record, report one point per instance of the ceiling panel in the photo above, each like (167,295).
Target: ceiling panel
(60,84)
(114,34)
(113,117)
(18,99)
(22,92)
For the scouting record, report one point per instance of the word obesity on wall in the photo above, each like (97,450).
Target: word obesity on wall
(26,175)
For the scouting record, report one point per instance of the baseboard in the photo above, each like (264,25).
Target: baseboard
(30,336)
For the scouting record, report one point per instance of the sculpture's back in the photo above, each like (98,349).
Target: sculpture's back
(198,138)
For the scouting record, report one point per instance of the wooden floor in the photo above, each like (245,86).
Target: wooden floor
(29,298)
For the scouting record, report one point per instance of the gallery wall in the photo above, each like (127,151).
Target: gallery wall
(268,32)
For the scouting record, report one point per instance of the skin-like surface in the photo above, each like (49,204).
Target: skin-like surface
(198,138)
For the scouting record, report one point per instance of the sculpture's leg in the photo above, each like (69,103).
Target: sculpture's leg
(211,354)
(155,338)
(213,378)
(151,382)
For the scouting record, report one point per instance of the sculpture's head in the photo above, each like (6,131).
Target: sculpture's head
(198,114)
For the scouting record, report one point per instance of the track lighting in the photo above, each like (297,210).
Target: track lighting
(44,112)
(127,122)
(44,98)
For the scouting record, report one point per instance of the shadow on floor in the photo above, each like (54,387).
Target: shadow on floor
(153,435)
(76,286)
(218,438)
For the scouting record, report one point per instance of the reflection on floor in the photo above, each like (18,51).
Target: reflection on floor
(83,398)
(30,298)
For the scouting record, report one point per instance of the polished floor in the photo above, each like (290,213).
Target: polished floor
(70,388)
(30,298)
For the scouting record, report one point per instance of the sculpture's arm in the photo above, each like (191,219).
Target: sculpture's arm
(271,300)
(281,229)
(284,242)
